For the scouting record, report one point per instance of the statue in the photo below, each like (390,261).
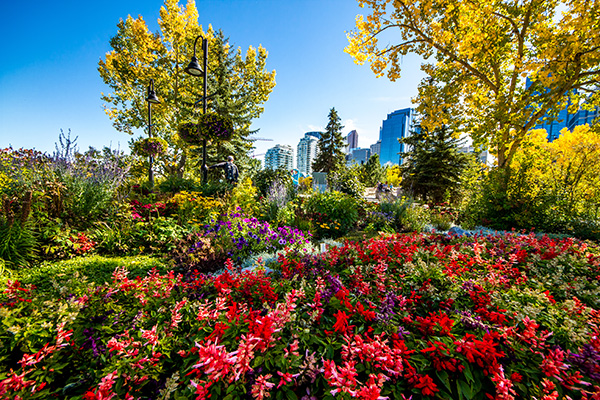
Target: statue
(231,170)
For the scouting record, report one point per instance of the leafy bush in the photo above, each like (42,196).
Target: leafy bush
(265,178)
(397,208)
(18,243)
(174,184)
(55,279)
(193,208)
(333,214)
(549,186)
(243,197)
(346,180)
(17,238)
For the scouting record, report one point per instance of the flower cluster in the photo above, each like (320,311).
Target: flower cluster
(152,147)
(421,316)
(82,244)
(210,126)
(140,211)
(249,235)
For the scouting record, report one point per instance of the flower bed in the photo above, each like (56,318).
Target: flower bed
(427,316)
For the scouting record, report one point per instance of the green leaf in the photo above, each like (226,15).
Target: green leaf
(289,394)
(468,374)
(465,389)
(443,376)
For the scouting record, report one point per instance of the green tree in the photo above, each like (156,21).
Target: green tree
(482,51)
(372,171)
(238,84)
(433,165)
(330,154)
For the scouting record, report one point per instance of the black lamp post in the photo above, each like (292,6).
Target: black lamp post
(151,99)
(194,69)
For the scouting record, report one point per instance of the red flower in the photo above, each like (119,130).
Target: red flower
(341,323)
(427,386)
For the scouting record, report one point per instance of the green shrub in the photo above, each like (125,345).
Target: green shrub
(265,178)
(346,180)
(396,208)
(52,278)
(333,214)
(414,219)
(174,184)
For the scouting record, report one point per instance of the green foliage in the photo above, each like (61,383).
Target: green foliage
(396,209)
(549,186)
(279,207)
(18,243)
(54,279)
(174,184)
(333,213)
(330,154)
(433,166)
(346,180)
(265,178)
(372,172)
(415,218)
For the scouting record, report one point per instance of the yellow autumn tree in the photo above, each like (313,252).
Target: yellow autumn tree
(478,55)
(555,185)
(238,84)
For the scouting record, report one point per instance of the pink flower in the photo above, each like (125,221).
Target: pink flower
(341,378)
(260,389)
(150,336)
(214,361)
(285,378)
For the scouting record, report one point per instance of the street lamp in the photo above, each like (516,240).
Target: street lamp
(151,99)
(194,69)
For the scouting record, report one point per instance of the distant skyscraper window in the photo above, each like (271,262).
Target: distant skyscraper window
(396,126)
(376,148)
(280,156)
(358,156)
(307,151)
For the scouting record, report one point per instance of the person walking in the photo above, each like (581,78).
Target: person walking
(231,170)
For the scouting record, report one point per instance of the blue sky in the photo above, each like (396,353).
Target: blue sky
(49,79)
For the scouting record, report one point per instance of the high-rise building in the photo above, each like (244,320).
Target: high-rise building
(376,148)
(280,156)
(358,156)
(396,126)
(351,141)
(307,152)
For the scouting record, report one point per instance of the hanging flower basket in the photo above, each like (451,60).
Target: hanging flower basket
(151,147)
(211,126)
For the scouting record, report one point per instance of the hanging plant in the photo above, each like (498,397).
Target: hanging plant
(151,147)
(210,126)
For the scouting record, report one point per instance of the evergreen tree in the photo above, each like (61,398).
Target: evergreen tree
(433,165)
(372,171)
(330,155)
